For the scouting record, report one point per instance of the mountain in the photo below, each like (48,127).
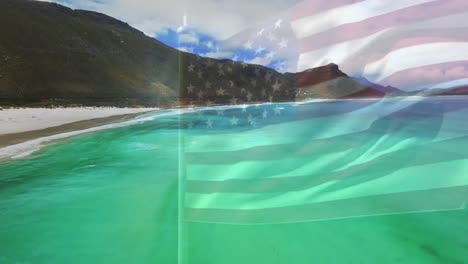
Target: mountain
(458,90)
(51,54)
(385,89)
(329,82)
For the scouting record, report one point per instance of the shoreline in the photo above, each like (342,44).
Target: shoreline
(32,135)
(21,137)
(59,123)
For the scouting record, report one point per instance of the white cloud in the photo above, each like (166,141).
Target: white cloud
(219,18)
(219,54)
(209,44)
(185,49)
(229,22)
(260,60)
(188,38)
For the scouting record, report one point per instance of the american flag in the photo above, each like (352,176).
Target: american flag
(409,44)
(279,163)
(250,163)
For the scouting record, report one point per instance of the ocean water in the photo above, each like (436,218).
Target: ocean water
(355,181)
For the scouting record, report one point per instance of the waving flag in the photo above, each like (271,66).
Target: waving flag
(409,44)
(339,161)
(342,159)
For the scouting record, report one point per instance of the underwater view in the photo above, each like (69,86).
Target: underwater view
(345,181)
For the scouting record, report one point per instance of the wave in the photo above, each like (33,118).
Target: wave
(24,149)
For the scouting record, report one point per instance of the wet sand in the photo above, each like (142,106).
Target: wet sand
(51,122)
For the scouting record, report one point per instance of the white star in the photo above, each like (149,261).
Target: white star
(190,88)
(249,97)
(220,112)
(244,108)
(265,114)
(259,33)
(221,72)
(209,123)
(276,86)
(220,92)
(248,45)
(229,69)
(233,100)
(268,76)
(270,55)
(283,43)
(244,64)
(250,120)
(259,50)
(280,66)
(278,110)
(200,74)
(243,90)
(209,103)
(234,121)
(200,94)
(231,83)
(278,23)
(207,85)
(191,67)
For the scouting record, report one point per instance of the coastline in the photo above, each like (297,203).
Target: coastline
(34,128)
(30,133)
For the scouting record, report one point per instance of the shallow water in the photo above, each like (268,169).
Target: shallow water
(333,182)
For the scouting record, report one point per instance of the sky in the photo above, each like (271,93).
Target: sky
(250,32)
(386,42)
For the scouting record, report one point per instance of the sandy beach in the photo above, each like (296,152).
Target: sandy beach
(19,120)
(20,125)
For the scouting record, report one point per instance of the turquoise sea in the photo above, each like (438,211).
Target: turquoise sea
(352,181)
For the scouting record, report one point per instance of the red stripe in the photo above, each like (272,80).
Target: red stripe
(428,75)
(425,40)
(310,7)
(375,24)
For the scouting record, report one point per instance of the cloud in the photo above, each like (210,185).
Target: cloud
(211,28)
(261,60)
(186,49)
(219,18)
(219,54)
(188,38)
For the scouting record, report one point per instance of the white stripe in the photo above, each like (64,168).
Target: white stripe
(451,21)
(423,177)
(444,85)
(341,52)
(338,53)
(355,121)
(329,19)
(415,56)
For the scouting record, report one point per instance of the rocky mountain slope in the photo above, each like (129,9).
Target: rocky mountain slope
(51,54)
